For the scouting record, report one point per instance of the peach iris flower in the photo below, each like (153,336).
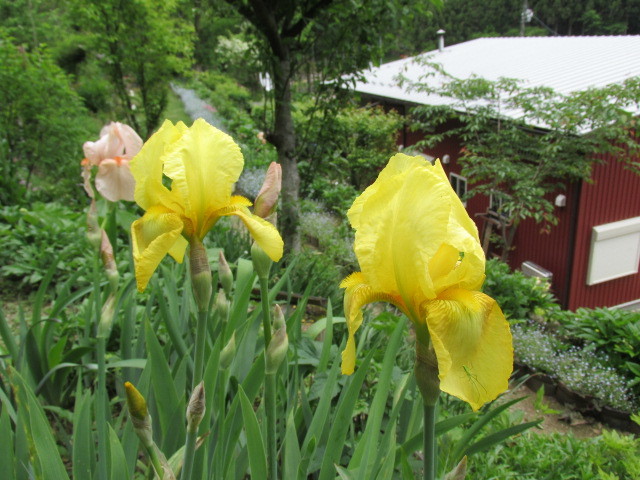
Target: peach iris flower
(419,250)
(117,145)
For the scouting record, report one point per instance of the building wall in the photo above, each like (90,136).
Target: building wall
(563,249)
(614,195)
(547,247)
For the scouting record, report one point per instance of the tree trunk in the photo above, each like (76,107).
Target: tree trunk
(285,141)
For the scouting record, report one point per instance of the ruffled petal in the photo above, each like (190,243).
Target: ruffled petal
(204,165)
(401,221)
(114,180)
(263,232)
(97,151)
(154,235)
(86,178)
(147,167)
(131,141)
(358,294)
(472,342)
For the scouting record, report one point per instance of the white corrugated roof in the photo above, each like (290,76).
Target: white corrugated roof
(565,64)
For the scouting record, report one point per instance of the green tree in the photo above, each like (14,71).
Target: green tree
(324,39)
(142,45)
(41,125)
(522,144)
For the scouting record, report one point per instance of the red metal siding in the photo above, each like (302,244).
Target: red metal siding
(549,247)
(614,195)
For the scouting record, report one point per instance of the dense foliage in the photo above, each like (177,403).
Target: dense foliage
(522,165)
(42,124)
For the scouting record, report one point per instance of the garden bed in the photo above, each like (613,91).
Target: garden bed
(584,404)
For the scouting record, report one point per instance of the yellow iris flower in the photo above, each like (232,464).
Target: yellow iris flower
(202,165)
(419,250)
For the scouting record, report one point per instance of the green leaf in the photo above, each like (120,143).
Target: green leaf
(291,450)
(128,363)
(342,420)
(464,442)
(165,395)
(118,461)
(494,438)
(321,415)
(255,446)
(367,452)
(42,444)
(328,339)
(83,454)
(7,457)
(318,326)
(8,337)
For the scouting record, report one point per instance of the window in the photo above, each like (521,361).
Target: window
(615,250)
(459,185)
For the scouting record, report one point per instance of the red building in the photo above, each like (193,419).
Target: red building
(593,254)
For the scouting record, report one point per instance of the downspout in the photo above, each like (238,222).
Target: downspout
(573,232)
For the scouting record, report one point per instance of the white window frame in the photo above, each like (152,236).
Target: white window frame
(615,251)
(459,180)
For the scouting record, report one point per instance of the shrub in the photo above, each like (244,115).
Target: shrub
(535,456)
(42,126)
(611,332)
(520,297)
(34,239)
(342,151)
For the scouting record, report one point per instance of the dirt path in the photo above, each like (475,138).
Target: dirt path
(567,421)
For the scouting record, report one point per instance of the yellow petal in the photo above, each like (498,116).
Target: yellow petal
(154,235)
(401,221)
(472,342)
(204,165)
(263,232)
(358,294)
(147,167)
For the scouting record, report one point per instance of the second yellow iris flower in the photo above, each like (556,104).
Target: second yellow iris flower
(419,250)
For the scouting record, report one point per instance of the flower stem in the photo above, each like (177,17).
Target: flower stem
(266,311)
(429,438)
(198,365)
(270,384)
(155,459)
(101,410)
(270,409)
(189,454)
(201,336)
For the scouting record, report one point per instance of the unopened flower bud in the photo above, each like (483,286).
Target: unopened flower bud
(106,316)
(267,198)
(94,232)
(276,351)
(228,352)
(222,305)
(224,273)
(136,403)
(139,415)
(109,262)
(200,274)
(261,261)
(278,318)
(196,408)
